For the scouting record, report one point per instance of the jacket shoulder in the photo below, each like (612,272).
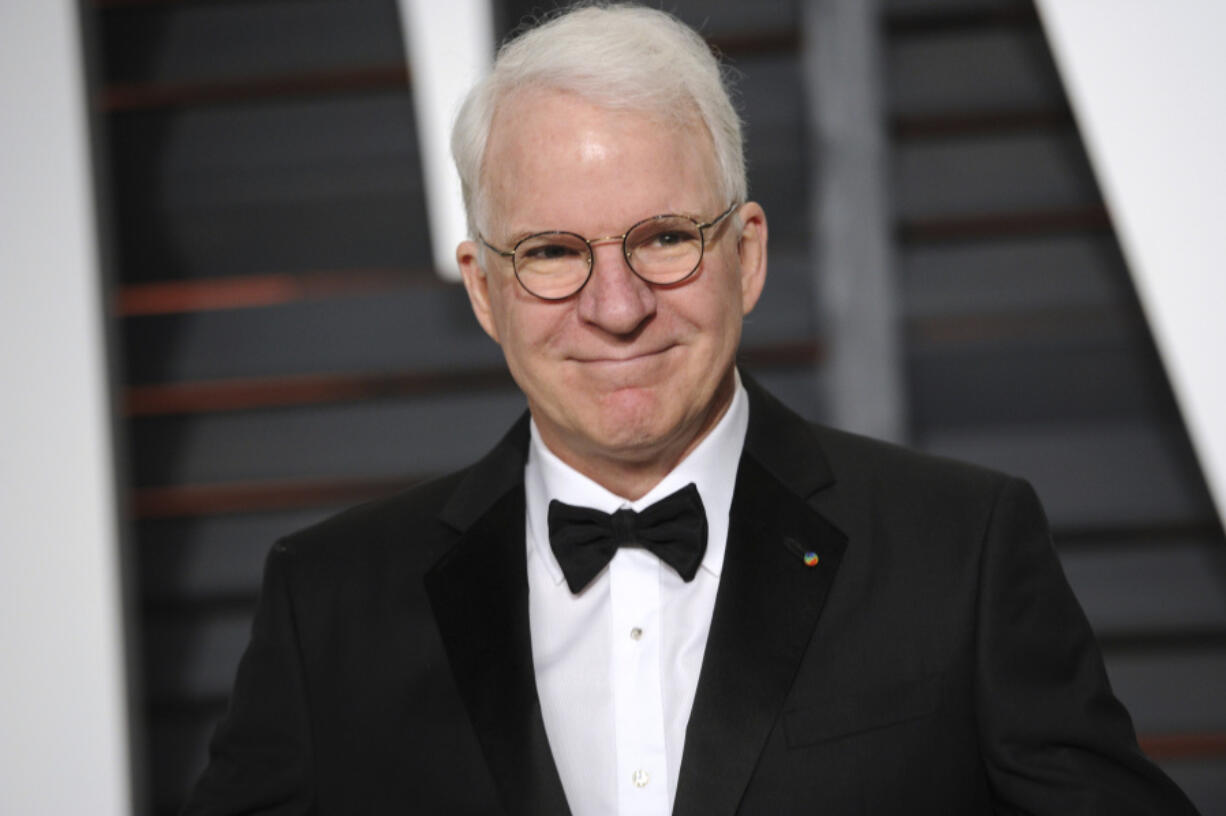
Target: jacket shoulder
(408,532)
(812,457)
(850,450)
(890,473)
(404,525)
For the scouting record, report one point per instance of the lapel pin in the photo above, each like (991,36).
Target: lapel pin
(808,556)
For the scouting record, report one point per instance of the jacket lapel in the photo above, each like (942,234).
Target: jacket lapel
(766,609)
(479,595)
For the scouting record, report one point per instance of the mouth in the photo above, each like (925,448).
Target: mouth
(615,360)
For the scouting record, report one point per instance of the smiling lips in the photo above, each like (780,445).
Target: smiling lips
(621,360)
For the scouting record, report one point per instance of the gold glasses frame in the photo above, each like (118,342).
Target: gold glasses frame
(512,253)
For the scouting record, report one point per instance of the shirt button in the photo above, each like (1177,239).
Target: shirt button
(636,634)
(640,778)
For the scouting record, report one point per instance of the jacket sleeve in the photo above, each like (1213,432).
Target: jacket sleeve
(260,758)
(1056,741)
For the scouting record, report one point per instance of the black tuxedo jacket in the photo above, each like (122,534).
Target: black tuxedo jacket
(933,661)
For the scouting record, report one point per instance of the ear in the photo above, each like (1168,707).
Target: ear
(468,255)
(751,249)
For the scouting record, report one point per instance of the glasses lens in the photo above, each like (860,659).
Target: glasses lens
(665,250)
(552,264)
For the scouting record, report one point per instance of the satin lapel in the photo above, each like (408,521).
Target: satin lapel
(768,604)
(479,595)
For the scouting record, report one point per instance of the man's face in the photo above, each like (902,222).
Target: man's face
(623,374)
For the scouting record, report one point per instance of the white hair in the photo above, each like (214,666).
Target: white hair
(620,57)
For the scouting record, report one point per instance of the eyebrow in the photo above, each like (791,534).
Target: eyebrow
(519,236)
(522,234)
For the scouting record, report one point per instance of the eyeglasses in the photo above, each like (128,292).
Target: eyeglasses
(662,250)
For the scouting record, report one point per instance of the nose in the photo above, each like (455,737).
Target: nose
(615,299)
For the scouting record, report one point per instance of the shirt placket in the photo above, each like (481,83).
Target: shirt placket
(642,762)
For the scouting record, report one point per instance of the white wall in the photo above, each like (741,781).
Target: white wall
(1146,80)
(63,723)
(450,45)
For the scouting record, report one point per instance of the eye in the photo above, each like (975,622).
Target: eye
(665,237)
(671,238)
(551,248)
(547,252)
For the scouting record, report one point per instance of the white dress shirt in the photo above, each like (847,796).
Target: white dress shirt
(617,665)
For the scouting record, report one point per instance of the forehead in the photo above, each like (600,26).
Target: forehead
(556,161)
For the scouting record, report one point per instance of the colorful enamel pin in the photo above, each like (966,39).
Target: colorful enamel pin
(809,557)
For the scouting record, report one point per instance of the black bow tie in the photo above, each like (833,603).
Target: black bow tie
(585,540)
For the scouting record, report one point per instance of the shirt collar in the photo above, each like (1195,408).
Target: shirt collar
(711,466)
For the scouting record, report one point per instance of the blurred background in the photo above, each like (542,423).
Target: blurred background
(254,230)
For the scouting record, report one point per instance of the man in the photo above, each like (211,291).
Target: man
(663,593)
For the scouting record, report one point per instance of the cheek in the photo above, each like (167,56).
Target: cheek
(529,330)
(507,313)
(721,311)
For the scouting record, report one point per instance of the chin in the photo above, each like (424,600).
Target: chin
(638,426)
